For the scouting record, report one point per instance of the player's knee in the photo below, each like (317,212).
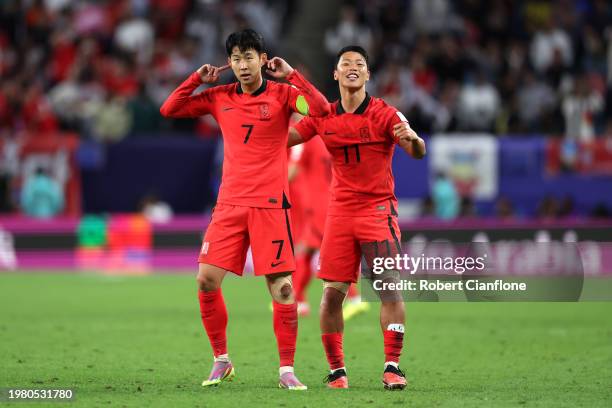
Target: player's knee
(281,289)
(286,291)
(283,293)
(207,283)
(332,298)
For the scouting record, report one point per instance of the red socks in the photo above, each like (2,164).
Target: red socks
(393,345)
(285,330)
(214,318)
(332,343)
(301,276)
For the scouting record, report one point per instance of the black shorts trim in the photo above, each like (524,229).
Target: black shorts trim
(289,231)
(394,235)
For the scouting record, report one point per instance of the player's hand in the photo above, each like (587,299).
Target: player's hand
(210,74)
(404,133)
(278,68)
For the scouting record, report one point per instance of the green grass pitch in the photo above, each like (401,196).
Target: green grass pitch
(139,342)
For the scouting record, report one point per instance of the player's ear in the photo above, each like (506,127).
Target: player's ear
(263,59)
(367,78)
(335,74)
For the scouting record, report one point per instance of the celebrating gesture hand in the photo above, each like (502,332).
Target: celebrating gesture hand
(404,133)
(210,74)
(278,68)
(409,140)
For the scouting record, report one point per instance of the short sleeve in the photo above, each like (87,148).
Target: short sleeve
(297,101)
(393,118)
(307,128)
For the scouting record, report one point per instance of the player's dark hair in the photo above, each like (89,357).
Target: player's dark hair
(244,40)
(353,48)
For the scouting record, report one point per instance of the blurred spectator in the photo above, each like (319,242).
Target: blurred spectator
(144,112)
(431,16)
(135,35)
(111,119)
(566,208)
(183,58)
(427,207)
(467,208)
(469,65)
(41,195)
(535,100)
(155,210)
(73,98)
(549,43)
(264,18)
(580,107)
(448,60)
(479,104)
(348,31)
(504,208)
(548,208)
(445,198)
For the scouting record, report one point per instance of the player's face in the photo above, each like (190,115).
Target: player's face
(352,70)
(247,65)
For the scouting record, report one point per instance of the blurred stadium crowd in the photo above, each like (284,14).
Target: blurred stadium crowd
(102,68)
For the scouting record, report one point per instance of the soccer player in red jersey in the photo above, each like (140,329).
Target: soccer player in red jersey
(252,206)
(312,166)
(361,134)
(310,169)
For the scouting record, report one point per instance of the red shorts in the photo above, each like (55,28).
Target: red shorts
(347,239)
(233,228)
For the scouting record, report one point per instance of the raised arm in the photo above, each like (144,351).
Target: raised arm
(305,98)
(182,104)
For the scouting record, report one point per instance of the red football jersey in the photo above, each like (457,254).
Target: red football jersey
(255,131)
(316,167)
(361,145)
(296,189)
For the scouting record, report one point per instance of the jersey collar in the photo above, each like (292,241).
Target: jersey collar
(360,109)
(259,90)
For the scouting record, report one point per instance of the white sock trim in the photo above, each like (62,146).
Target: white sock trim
(285,369)
(222,357)
(336,369)
(396,327)
(393,363)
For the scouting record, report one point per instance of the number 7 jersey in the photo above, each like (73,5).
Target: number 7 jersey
(362,145)
(255,131)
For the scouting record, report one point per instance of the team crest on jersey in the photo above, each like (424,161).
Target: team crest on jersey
(364,134)
(264,111)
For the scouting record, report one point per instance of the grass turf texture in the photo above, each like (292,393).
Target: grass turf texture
(138,341)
